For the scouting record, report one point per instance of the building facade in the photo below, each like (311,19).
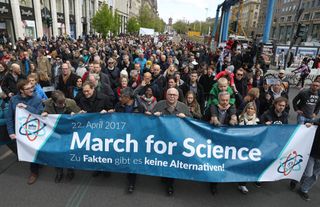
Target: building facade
(284,19)
(246,16)
(122,8)
(38,18)
(134,8)
(262,18)
(152,4)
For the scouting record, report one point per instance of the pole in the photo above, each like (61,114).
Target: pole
(293,35)
(215,28)
(267,25)
(226,25)
(216,22)
(221,27)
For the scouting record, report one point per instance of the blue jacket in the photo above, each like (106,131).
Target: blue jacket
(142,63)
(34,105)
(39,91)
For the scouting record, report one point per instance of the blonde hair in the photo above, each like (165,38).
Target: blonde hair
(43,76)
(223,81)
(33,76)
(250,104)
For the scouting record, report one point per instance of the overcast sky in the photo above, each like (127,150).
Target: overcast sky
(189,10)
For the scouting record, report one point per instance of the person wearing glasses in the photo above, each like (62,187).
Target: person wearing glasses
(171,106)
(25,99)
(67,80)
(113,72)
(241,83)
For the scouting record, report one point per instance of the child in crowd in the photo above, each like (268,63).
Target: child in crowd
(221,86)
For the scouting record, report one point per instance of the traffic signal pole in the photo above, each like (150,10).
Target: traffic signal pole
(295,33)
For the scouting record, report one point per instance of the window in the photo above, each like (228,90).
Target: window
(59,6)
(289,18)
(316,31)
(306,17)
(26,3)
(71,7)
(316,15)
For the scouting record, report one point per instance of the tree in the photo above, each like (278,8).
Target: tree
(133,25)
(104,21)
(115,23)
(146,17)
(181,27)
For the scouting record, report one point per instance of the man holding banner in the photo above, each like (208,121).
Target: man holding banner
(25,99)
(222,114)
(312,170)
(128,104)
(171,106)
(59,104)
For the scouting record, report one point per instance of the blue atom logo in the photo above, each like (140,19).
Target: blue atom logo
(32,128)
(290,163)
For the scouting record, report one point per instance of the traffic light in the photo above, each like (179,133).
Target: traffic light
(301,30)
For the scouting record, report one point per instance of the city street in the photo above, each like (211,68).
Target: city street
(85,190)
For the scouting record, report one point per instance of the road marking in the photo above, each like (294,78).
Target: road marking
(79,192)
(6,154)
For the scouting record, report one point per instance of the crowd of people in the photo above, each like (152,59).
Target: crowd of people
(133,74)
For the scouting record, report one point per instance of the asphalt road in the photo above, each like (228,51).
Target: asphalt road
(86,191)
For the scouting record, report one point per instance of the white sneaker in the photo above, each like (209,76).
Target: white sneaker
(243,189)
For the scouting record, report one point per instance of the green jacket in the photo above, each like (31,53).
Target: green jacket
(70,106)
(213,95)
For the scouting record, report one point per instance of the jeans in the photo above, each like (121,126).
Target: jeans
(310,175)
(302,119)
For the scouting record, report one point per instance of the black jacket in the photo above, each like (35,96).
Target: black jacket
(65,87)
(241,86)
(270,115)
(137,108)
(96,103)
(200,93)
(207,83)
(9,85)
(301,99)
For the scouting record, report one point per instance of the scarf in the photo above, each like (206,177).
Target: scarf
(248,120)
(148,100)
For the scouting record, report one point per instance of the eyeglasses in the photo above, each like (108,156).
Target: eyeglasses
(172,94)
(27,89)
(110,62)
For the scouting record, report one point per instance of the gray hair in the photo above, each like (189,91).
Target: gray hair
(95,76)
(223,93)
(128,92)
(133,72)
